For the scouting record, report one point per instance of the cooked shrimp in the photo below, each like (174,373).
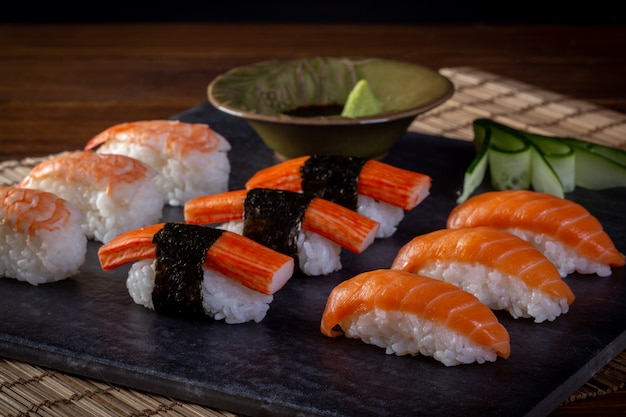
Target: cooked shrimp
(190,158)
(115,193)
(41,239)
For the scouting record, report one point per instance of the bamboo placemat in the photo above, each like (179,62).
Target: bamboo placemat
(29,390)
(482,94)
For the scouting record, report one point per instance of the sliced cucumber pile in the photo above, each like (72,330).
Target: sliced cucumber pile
(556,165)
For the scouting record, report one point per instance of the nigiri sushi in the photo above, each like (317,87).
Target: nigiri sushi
(374,189)
(504,271)
(190,271)
(310,229)
(409,314)
(564,231)
(41,238)
(191,159)
(115,193)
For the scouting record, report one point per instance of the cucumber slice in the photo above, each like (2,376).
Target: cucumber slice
(510,161)
(616,155)
(555,165)
(545,179)
(474,174)
(561,160)
(595,172)
(478,167)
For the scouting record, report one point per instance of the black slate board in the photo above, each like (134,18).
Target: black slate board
(284,366)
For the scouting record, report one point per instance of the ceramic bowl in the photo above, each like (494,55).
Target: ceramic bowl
(272,96)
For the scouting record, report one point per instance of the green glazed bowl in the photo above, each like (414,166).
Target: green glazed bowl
(272,95)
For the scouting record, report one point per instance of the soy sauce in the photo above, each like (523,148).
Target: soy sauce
(316,110)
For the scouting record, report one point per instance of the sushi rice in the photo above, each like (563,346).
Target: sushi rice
(180,178)
(403,333)
(222,298)
(388,215)
(565,259)
(316,255)
(498,291)
(107,214)
(53,252)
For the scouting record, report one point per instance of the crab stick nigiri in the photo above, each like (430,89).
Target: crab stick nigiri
(310,229)
(188,270)
(375,189)
(190,159)
(405,313)
(41,238)
(502,270)
(115,193)
(564,231)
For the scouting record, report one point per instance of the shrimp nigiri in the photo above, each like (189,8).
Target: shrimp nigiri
(564,231)
(191,159)
(115,193)
(375,189)
(41,238)
(405,313)
(504,271)
(310,229)
(189,270)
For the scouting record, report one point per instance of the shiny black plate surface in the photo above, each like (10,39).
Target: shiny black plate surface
(283,366)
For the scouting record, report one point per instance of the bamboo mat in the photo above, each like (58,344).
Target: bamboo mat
(29,390)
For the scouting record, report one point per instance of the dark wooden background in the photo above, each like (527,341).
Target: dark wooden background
(320,11)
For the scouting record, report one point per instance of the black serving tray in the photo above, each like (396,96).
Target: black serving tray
(88,325)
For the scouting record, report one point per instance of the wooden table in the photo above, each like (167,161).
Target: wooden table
(61,84)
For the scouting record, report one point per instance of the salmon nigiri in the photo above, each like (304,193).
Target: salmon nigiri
(564,231)
(185,270)
(502,270)
(411,314)
(375,189)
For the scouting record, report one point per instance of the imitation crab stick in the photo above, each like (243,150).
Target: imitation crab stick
(380,181)
(407,313)
(237,257)
(571,237)
(330,220)
(501,269)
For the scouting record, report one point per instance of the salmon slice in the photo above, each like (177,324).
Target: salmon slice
(428,299)
(380,181)
(237,257)
(489,262)
(559,219)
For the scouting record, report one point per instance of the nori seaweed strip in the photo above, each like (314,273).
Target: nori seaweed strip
(274,218)
(180,252)
(332,177)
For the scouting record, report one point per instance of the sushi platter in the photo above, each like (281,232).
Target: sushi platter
(283,366)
